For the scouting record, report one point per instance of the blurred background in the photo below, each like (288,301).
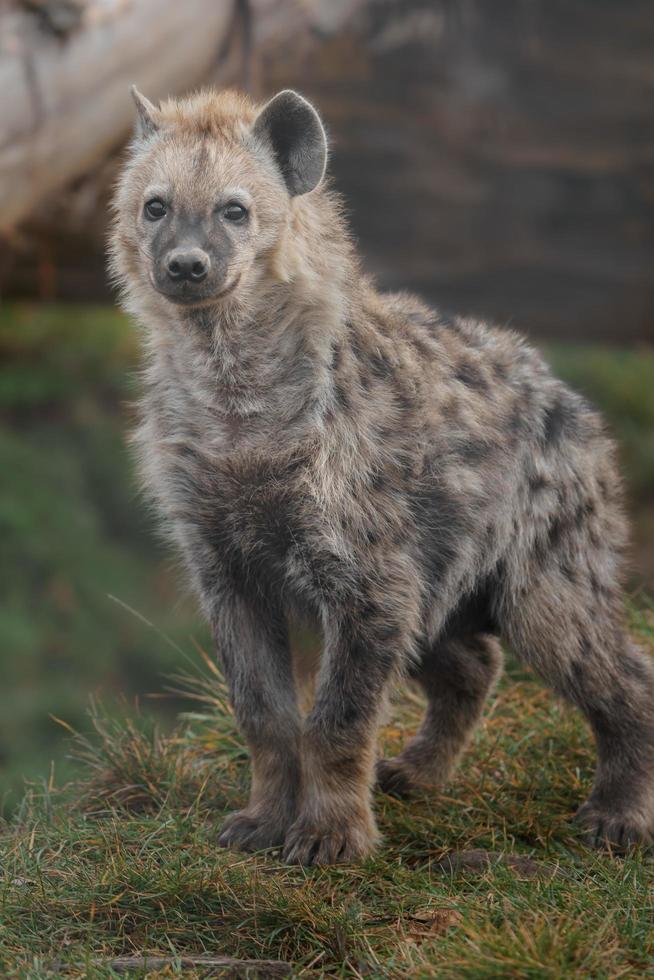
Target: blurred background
(498,158)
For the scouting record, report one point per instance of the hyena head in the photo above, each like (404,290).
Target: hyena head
(207,193)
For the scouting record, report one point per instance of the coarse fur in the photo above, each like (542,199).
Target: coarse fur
(419,485)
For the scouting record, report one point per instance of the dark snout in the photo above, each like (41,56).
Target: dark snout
(187,265)
(191,260)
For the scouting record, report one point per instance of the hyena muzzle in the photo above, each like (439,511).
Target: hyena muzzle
(419,486)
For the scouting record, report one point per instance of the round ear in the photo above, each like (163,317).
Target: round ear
(291,127)
(146,124)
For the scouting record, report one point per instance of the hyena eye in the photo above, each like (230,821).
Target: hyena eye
(235,212)
(155,209)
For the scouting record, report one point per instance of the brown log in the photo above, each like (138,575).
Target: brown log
(64,104)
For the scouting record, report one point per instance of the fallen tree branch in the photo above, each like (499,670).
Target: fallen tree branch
(210,965)
(64,104)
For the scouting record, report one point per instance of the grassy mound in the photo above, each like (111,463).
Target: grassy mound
(487,879)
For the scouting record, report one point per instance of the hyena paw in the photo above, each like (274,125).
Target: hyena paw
(393,778)
(346,842)
(248,831)
(615,828)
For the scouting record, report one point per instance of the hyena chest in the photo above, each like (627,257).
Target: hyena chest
(252,512)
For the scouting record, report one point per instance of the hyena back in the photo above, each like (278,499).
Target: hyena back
(418,485)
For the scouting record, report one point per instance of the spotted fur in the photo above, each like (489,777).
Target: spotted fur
(416,484)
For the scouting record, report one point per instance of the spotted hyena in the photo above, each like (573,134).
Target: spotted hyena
(418,485)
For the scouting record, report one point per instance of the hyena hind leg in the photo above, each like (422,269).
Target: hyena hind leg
(582,650)
(457,676)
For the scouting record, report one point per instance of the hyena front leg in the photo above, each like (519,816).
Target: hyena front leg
(253,646)
(335,822)
(457,675)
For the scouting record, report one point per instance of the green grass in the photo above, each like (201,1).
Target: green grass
(125,862)
(74,532)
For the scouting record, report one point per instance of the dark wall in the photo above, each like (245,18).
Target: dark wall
(498,156)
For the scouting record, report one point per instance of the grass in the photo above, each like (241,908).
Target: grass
(125,862)
(74,532)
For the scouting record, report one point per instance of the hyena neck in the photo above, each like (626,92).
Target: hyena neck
(265,364)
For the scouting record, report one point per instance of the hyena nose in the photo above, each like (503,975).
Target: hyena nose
(187,264)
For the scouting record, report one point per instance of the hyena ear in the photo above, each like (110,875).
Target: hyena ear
(146,119)
(292,127)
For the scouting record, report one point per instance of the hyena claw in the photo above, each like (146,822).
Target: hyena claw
(245,832)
